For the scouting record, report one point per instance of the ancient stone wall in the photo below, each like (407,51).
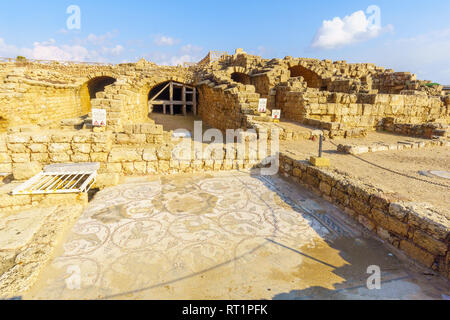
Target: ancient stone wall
(34,92)
(360,110)
(31,93)
(141,149)
(425,130)
(416,229)
(225,108)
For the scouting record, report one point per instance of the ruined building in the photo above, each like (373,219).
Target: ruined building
(45,118)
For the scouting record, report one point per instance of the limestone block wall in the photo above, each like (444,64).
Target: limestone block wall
(24,101)
(126,101)
(223,107)
(392,82)
(141,149)
(418,230)
(360,110)
(31,92)
(425,130)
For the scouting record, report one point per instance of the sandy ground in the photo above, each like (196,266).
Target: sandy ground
(177,121)
(394,171)
(227,235)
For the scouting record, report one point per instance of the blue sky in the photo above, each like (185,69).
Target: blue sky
(411,36)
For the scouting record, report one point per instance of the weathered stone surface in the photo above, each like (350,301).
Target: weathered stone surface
(417,253)
(124,155)
(149,154)
(432,245)
(398,210)
(58,147)
(81,147)
(24,171)
(389,223)
(164,153)
(104,180)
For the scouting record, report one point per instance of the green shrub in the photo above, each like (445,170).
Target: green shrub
(21,58)
(432,84)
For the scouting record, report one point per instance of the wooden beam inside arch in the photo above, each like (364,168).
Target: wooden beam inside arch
(186,90)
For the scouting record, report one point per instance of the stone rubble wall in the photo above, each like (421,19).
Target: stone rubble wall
(126,101)
(360,110)
(142,149)
(25,101)
(423,130)
(33,92)
(377,147)
(224,107)
(417,229)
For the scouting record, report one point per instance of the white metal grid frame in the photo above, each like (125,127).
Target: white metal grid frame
(62,178)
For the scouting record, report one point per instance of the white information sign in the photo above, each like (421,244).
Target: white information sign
(262,107)
(99,117)
(276,114)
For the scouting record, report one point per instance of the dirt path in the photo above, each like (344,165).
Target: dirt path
(394,171)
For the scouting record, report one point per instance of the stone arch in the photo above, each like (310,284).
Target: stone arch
(160,87)
(90,88)
(241,78)
(312,79)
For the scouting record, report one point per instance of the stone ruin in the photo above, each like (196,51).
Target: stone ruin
(45,118)
(45,106)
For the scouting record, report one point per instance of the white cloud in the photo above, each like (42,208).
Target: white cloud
(44,51)
(165,41)
(50,50)
(176,60)
(115,51)
(101,39)
(166,59)
(351,29)
(191,49)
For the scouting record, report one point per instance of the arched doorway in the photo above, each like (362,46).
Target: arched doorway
(172,97)
(241,78)
(311,78)
(90,89)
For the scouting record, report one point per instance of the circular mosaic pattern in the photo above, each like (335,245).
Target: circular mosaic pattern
(138,234)
(144,234)
(86,238)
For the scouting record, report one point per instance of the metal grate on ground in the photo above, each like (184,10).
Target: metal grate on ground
(61,178)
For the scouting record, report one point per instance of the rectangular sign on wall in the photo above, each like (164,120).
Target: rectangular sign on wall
(262,107)
(276,114)
(99,117)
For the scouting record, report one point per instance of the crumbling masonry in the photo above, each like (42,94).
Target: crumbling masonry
(44,119)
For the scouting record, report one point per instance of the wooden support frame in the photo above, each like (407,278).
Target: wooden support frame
(194,101)
(171,98)
(186,90)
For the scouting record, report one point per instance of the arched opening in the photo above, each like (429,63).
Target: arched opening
(311,78)
(90,89)
(173,98)
(241,78)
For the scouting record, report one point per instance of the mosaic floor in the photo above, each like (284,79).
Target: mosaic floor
(222,236)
